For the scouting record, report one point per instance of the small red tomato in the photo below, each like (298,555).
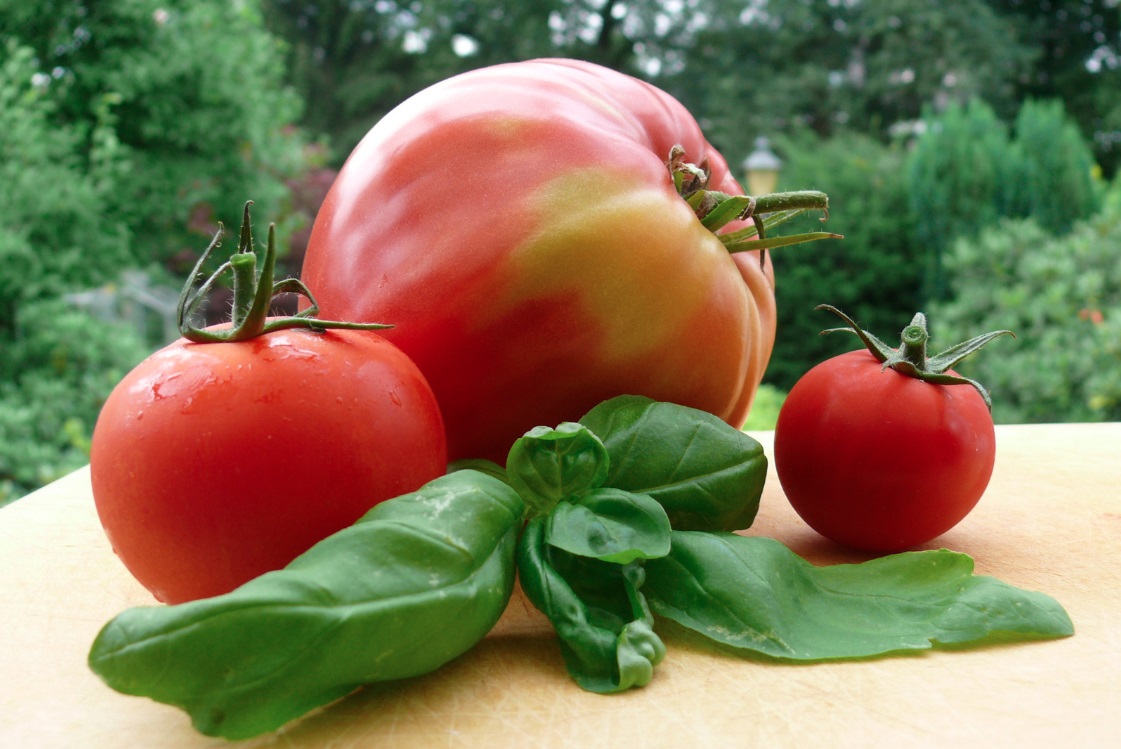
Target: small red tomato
(886,449)
(215,462)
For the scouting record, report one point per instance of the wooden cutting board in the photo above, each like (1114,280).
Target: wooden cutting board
(1051,521)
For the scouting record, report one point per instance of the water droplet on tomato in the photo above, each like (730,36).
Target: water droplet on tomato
(394,397)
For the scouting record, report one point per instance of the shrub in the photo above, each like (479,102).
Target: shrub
(55,374)
(873,274)
(1061,296)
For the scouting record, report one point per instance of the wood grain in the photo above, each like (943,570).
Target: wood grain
(1050,521)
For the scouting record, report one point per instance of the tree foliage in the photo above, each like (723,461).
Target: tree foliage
(188,98)
(1061,296)
(54,229)
(128,128)
(873,274)
(968,170)
(55,372)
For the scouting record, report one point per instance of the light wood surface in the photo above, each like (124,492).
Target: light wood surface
(1050,521)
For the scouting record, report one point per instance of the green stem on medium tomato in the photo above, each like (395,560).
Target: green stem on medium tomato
(253,294)
(717,209)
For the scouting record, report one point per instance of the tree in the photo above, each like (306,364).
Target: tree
(1052,169)
(1078,62)
(967,170)
(832,66)
(55,232)
(354,61)
(190,95)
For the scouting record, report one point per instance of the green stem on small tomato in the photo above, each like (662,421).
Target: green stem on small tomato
(253,294)
(717,209)
(913,342)
(910,358)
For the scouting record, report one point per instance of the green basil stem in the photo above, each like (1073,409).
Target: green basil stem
(253,293)
(602,621)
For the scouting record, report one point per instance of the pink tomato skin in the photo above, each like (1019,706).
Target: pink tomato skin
(519,228)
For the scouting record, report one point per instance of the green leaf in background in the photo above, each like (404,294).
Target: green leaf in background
(548,465)
(417,581)
(706,474)
(754,594)
(610,524)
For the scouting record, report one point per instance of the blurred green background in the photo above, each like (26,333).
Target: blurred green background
(970,150)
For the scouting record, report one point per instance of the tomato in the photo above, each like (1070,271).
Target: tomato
(878,458)
(519,226)
(215,462)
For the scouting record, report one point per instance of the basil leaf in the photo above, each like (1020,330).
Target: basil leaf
(610,524)
(548,465)
(705,473)
(489,467)
(756,595)
(415,582)
(603,624)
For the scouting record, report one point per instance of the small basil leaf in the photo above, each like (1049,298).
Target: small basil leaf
(610,524)
(372,602)
(755,595)
(548,465)
(603,624)
(705,473)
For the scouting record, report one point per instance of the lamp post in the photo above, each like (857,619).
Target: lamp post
(761,168)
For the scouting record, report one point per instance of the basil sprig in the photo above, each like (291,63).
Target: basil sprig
(629,513)
(599,558)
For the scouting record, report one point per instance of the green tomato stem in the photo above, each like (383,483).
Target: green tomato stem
(253,292)
(910,358)
(715,209)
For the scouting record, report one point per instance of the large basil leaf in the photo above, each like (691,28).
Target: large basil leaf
(610,524)
(603,624)
(548,465)
(415,582)
(756,595)
(706,474)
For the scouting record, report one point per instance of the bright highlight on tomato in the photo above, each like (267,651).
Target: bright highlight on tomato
(886,449)
(215,462)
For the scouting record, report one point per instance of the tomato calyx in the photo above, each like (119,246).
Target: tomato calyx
(718,209)
(253,293)
(910,358)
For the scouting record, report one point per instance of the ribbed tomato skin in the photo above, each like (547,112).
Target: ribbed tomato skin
(519,228)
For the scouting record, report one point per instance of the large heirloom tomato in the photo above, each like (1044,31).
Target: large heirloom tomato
(215,461)
(519,227)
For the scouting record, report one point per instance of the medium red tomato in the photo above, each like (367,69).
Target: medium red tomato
(215,462)
(521,227)
(885,449)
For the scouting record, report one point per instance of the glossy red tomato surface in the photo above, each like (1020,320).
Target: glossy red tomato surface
(519,227)
(213,463)
(880,461)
